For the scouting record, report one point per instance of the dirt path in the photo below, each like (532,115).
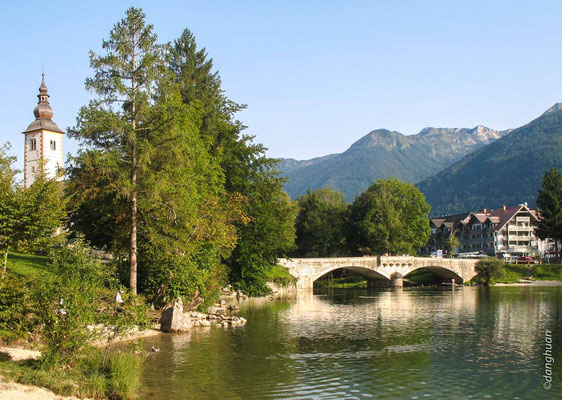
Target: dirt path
(16,391)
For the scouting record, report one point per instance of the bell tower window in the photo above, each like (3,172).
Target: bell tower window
(53,145)
(33,144)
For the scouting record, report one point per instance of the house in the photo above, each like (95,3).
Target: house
(442,230)
(505,232)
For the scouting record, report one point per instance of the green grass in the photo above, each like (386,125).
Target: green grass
(280,276)
(26,265)
(118,378)
(540,272)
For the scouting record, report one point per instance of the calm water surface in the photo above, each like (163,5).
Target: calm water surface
(354,344)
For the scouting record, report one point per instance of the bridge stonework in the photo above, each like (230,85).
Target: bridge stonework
(386,271)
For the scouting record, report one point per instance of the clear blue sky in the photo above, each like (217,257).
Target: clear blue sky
(316,75)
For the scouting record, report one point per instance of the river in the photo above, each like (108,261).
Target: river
(425,343)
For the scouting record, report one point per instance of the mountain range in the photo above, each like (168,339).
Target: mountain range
(506,172)
(383,153)
(454,167)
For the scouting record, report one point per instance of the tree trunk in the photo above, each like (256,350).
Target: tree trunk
(133,249)
(5,262)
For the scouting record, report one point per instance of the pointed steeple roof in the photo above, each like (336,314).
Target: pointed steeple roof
(43,112)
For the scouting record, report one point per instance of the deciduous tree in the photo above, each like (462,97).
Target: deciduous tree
(28,216)
(389,217)
(320,224)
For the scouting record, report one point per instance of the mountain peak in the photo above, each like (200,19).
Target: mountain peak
(555,108)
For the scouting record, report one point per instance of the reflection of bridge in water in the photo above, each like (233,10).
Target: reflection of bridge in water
(379,271)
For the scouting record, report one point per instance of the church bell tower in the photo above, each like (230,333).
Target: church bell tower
(43,142)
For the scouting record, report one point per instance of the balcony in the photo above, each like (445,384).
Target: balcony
(518,237)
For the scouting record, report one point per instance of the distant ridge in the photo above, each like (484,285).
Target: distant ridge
(506,172)
(383,153)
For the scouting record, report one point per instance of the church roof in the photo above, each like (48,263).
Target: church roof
(43,123)
(43,112)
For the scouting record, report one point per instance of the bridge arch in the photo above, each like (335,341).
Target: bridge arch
(442,272)
(368,273)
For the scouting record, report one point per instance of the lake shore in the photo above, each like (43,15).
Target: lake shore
(531,283)
(17,391)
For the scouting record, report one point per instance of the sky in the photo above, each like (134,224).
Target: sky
(316,75)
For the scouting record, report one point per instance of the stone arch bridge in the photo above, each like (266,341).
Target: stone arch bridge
(380,271)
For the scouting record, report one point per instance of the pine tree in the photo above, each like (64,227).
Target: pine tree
(247,171)
(549,204)
(120,120)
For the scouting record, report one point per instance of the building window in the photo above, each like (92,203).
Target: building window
(33,144)
(53,145)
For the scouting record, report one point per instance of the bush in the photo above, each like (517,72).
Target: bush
(489,268)
(16,310)
(168,276)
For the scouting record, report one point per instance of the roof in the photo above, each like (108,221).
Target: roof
(500,216)
(43,123)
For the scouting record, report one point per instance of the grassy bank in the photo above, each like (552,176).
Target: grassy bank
(280,276)
(537,272)
(116,377)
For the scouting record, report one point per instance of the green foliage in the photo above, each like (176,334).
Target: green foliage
(267,229)
(122,120)
(351,280)
(16,307)
(270,233)
(320,224)
(507,171)
(549,204)
(280,276)
(28,216)
(489,268)
(200,275)
(67,301)
(389,217)
(125,371)
(161,140)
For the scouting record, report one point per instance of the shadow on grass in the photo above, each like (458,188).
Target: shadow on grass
(26,264)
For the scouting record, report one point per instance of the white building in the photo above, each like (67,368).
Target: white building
(43,142)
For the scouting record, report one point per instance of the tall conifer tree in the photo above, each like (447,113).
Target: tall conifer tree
(119,119)
(549,203)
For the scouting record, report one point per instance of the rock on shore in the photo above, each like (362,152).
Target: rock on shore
(174,319)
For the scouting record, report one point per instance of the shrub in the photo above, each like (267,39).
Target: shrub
(67,300)
(15,308)
(489,268)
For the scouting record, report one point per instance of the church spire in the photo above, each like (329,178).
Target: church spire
(43,108)
(43,112)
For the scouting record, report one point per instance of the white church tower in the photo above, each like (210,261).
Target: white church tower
(43,142)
